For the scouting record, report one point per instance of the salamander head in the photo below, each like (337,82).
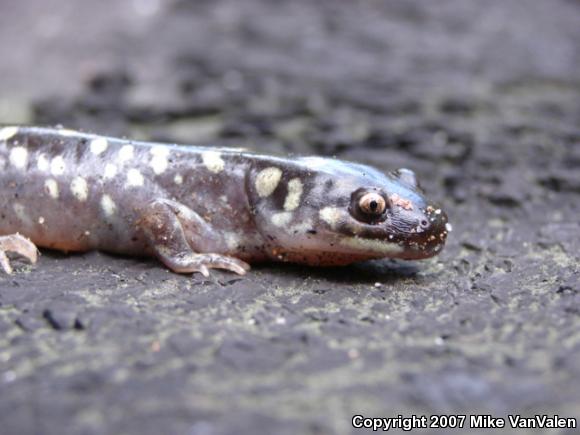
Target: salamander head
(326,211)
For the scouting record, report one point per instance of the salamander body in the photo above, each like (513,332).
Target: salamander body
(196,208)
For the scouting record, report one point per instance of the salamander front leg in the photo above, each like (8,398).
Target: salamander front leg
(19,245)
(175,232)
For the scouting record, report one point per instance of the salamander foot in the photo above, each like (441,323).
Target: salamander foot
(173,231)
(201,263)
(19,245)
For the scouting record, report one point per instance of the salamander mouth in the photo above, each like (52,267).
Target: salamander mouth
(407,234)
(416,238)
(375,248)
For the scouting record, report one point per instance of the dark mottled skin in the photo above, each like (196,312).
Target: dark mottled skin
(196,208)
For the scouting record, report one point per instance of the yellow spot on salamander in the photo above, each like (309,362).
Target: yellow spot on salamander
(213,161)
(267,180)
(281,219)
(19,157)
(42,163)
(108,205)
(99,145)
(79,188)
(159,161)
(134,178)
(292,200)
(57,166)
(110,171)
(51,187)
(126,153)
(330,215)
(7,133)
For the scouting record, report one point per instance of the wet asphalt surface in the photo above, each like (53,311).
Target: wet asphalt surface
(481,100)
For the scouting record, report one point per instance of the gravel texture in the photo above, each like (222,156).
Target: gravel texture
(481,99)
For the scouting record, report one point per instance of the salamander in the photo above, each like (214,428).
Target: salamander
(197,208)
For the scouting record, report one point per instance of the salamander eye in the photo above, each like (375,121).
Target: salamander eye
(369,205)
(372,204)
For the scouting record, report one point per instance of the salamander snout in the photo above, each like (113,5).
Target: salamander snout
(430,234)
